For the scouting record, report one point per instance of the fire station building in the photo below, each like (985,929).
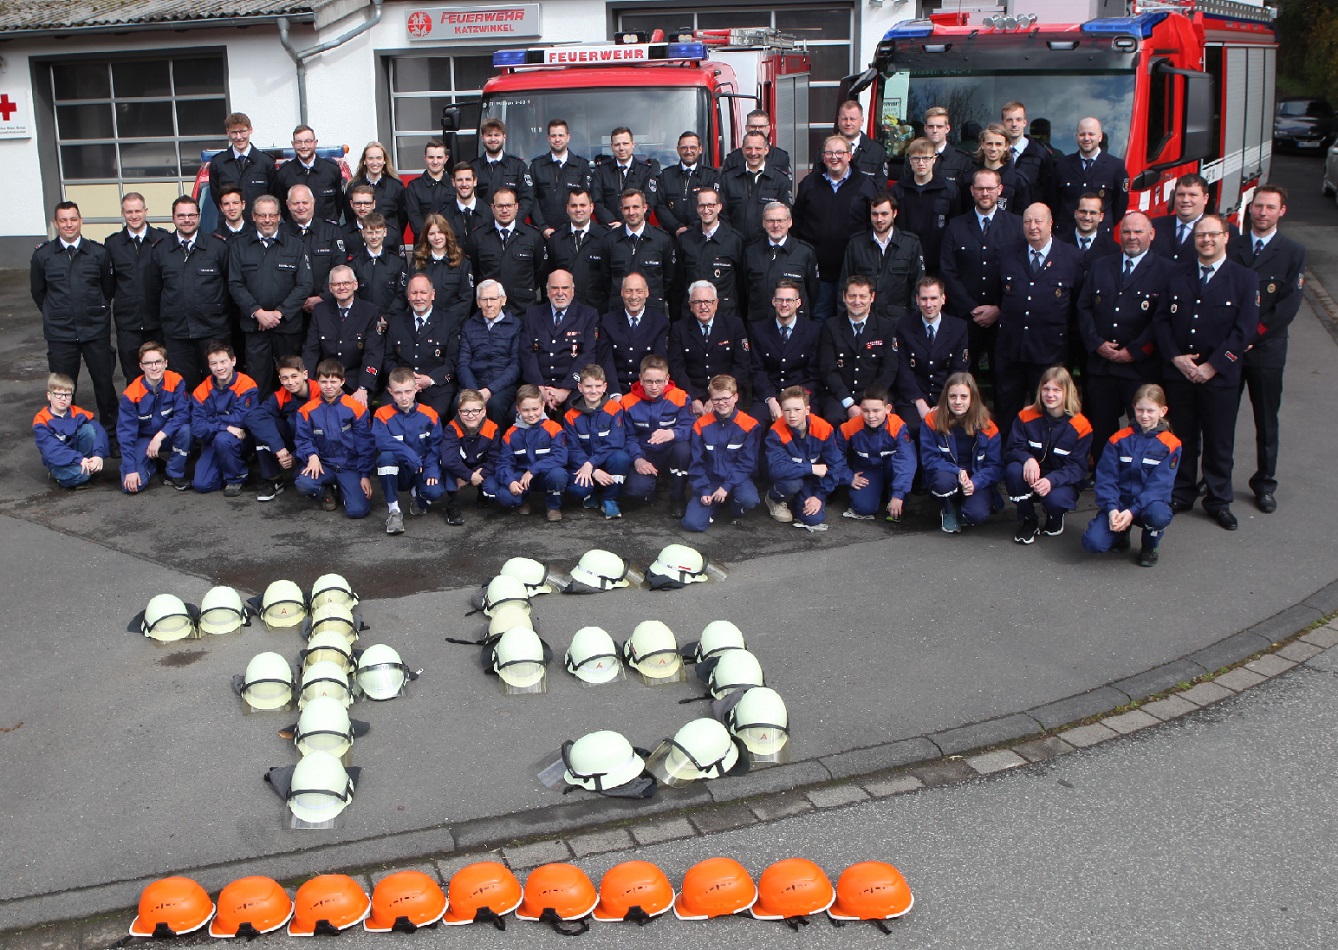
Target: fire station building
(97,100)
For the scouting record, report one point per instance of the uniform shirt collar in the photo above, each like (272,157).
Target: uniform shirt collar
(1135,260)
(1255,238)
(66,247)
(711,233)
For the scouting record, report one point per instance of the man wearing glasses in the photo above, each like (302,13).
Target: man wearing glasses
(926,200)
(344,329)
(777,158)
(490,354)
(828,209)
(321,175)
(709,345)
(713,250)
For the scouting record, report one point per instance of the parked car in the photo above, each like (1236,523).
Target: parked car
(1330,184)
(1304,123)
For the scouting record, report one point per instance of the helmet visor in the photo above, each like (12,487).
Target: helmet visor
(268,693)
(171,627)
(383,680)
(522,676)
(764,743)
(316,806)
(221,620)
(282,614)
(325,686)
(593,670)
(334,741)
(660,666)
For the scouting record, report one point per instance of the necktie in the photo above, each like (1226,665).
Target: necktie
(69,251)
(580,238)
(422,322)
(1128,270)
(1181,232)
(343,313)
(985,226)
(622,171)
(1204,273)
(1085,243)
(785,334)
(265,241)
(706,331)
(468,215)
(634,322)
(557,317)
(1086,165)
(930,330)
(1258,248)
(774,249)
(859,330)
(1035,262)
(139,243)
(506,236)
(303,229)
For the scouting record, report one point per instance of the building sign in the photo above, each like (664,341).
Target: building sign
(446,24)
(15,116)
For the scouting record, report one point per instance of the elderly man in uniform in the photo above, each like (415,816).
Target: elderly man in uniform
(630,333)
(324,242)
(490,352)
(346,329)
(425,339)
(709,345)
(557,338)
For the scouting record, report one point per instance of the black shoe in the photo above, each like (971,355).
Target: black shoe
(676,510)
(1178,506)
(1266,503)
(180,484)
(232,490)
(328,500)
(1224,518)
(1026,532)
(113,449)
(1121,542)
(1147,557)
(1054,525)
(453,516)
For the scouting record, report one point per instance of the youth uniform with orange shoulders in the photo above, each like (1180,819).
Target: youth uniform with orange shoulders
(943,457)
(271,425)
(643,417)
(340,435)
(885,456)
(408,452)
(146,411)
(213,409)
(1136,473)
(1061,446)
(597,436)
(540,450)
(790,460)
(724,455)
(65,441)
(465,451)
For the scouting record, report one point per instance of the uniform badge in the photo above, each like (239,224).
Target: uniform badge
(437,353)
(913,363)
(652,186)
(529,183)
(1101,193)
(1272,288)
(1124,185)
(339,243)
(1145,305)
(1174,307)
(840,364)
(359,344)
(746,347)
(1059,291)
(381,326)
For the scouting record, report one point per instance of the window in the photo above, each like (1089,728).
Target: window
(420,86)
(135,125)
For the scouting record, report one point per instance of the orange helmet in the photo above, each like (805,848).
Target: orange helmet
(251,906)
(871,890)
(405,901)
(716,887)
(791,889)
(557,892)
(328,904)
(482,891)
(171,906)
(634,890)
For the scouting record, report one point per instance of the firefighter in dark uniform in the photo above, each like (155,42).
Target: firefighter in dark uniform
(72,285)
(431,192)
(321,175)
(1207,317)
(382,273)
(241,164)
(578,248)
(709,345)
(630,333)
(1280,263)
(638,246)
(496,169)
(1174,232)
(779,255)
(777,157)
(186,292)
(361,203)
(1090,170)
(676,193)
(933,347)
(509,252)
(558,337)
(950,163)
(1089,233)
(1119,299)
(927,200)
(711,250)
(269,277)
(324,243)
(555,176)
(468,212)
(866,155)
(784,352)
(972,244)
(1041,281)
(129,251)
(427,341)
(890,256)
(747,189)
(856,351)
(348,330)
(625,170)
(1032,159)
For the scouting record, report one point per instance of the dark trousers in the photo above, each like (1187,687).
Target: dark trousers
(1264,384)
(1015,385)
(1107,398)
(263,347)
(1203,415)
(128,343)
(63,356)
(188,358)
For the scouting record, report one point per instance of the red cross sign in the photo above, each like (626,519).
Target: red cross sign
(7,107)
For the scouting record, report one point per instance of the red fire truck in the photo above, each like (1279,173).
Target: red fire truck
(704,80)
(1179,86)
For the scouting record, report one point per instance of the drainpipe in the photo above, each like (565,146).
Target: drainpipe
(300,57)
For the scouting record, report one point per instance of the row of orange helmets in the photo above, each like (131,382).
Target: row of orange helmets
(559,894)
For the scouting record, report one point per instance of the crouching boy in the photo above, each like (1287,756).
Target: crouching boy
(597,457)
(334,436)
(532,457)
(408,450)
(724,458)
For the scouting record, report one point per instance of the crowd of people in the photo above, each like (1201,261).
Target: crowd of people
(524,329)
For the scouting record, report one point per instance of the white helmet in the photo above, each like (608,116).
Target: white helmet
(334,618)
(702,749)
(381,673)
(760,720)
(320,788)
(282,605)
(518,658)
(677,566)
(593,656)
(333,589)
(222,611)
(328,645)
(504,589)
(600,761)
(597,571)
(268,682)
(512,613)
(530,573)
(324,726)
(736,669)
(652,651)
(166,619)
(717,637)
(324,678)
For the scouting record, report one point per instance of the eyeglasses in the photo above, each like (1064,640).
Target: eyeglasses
(471,412)
(59,395)
(152,364)
(187,215)
(341,283)
(703,303)
(489,299)
(835,154)
(1208,234)
(921,158)
(726,398)
(793,300)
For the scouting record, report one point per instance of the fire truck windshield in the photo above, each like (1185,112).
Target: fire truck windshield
(1055,102)
(656,116)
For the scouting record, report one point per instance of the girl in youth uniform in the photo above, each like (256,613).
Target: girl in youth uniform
(1134,479)
(1046,456)
(961,455)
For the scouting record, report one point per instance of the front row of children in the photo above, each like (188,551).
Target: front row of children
(608,450)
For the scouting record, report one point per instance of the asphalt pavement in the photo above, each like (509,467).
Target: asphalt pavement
(126,761)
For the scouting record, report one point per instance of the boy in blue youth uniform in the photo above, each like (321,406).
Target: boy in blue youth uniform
(271,424)
(879,451)
(154,423)
(469,453)
(334,435)
(805,461)
(724,458)
(218,411)
(408,449)
(532,457)
(73,446)
(596,438)
(658,417)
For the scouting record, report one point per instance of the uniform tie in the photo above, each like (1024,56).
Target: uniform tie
(343,313)
(706,331)
(859,330)
(985,225)
(634,322)
(139,242)
(557,317)
(1086,165)
(1085,243)
(785,334)
(506,235)
(1258,248)
(1205,273)
(266,241)
(1128,270)
(930,330)
(579,236)
(422,322)
(1182,232)
(69,251)
(1035,262)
